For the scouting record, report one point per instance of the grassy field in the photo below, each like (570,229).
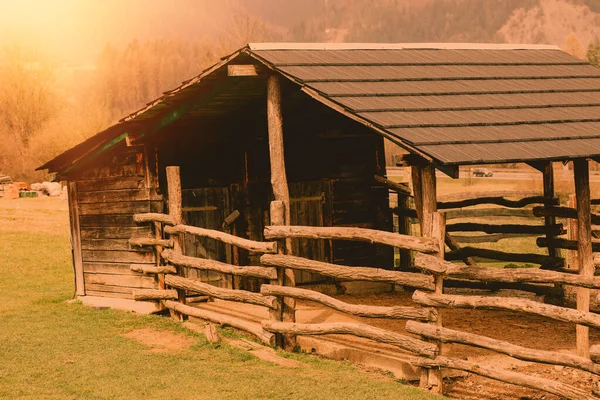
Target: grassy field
(54,349)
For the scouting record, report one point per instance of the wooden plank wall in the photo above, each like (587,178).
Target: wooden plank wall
(207,208)
(107,198)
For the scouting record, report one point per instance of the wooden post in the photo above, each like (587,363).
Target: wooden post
(277,214)
(417,193)
(174,205)
(549,221)
(572,234)
(76,238)
(432,225)
(280,186)
(584,247)
(404,227)
(548,177)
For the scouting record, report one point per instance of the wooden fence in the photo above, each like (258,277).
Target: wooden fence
(424,318)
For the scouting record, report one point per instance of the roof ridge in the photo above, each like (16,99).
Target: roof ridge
(397,46)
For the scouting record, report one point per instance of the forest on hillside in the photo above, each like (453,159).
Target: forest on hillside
(47,106)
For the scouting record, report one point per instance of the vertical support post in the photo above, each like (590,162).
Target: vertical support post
(433,225)
(404,227)
(548,177)
(175,211)
(584,247)
(572,234)
(75,238)
(415,171)
(280,186)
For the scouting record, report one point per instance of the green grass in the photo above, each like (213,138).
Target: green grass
(52,349)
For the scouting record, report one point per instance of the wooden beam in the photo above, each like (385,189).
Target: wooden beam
(515,378)
(561,212)
(564,244)
(553,230)
(522,353)
(486,274)
(251,245)
(223,319)
(361,330)
(154,294)
(500,201)
(245,70)
(423,244)
(154,217)
(452,171)
(76,238)
(544,260)
(395,312)
(241,296)
(584,248)
(280,186)
(350,273)
(399,188)
(213,265)
(507,303)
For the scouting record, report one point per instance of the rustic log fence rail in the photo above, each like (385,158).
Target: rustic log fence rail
(429,258)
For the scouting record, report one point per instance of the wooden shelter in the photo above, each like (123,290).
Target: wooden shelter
(179,197)
(446,105)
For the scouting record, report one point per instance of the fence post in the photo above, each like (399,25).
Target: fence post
(433,225)
(174,206)
(277,213)
(280,189)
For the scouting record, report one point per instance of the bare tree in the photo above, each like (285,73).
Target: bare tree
(27,99)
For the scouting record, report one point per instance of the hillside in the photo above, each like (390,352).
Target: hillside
(501,21)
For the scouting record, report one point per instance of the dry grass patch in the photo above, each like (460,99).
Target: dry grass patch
(160,341)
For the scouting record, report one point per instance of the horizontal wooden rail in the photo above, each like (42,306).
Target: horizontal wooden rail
(251,245)
(472,213)
(554,230)
(489,193)
(213,265)
(515,378)
(396,312)
(539,289)
(489,212)
(400,188)
(223,319)
(547,261)
(510,275)
(405,212)
(561,212)
(154,294)
(500,201)
(153,269)
(350,273)
(563,244)
(140,242)
(507,303)
(522,353)
(154,217)
(425,245)
(491,238)
(241,296)
(361,330)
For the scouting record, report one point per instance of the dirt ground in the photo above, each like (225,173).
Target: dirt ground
(160,341)
(517,328)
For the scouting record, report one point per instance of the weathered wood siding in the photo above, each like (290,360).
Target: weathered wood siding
(107,198)
(207,208)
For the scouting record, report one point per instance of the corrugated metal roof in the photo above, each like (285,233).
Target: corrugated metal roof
(451,103)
